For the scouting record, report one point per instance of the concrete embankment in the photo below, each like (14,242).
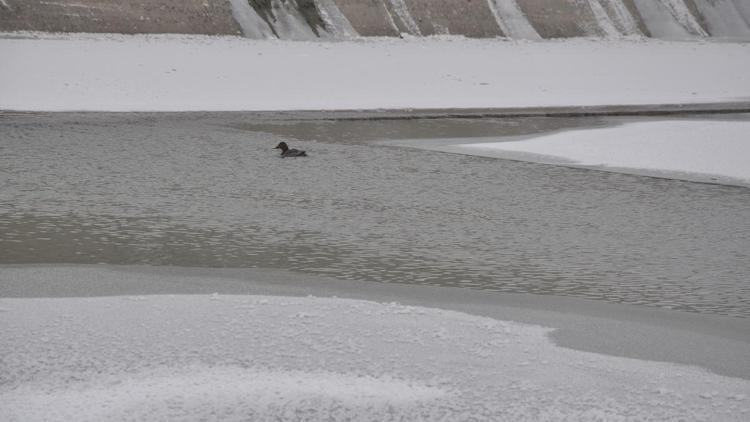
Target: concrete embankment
(313,19)
(130,17)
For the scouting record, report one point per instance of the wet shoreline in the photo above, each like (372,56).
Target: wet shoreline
(716,343)
(633,110)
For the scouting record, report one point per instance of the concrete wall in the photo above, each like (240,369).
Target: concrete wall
(368,17)
(131,16)
(471,18)
(310,19)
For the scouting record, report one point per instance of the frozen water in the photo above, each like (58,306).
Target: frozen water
(267,357)
(713,148)
(175,73)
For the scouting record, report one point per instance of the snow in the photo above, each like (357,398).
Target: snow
(308,358)
(706,147)
(240,357)
(174,73)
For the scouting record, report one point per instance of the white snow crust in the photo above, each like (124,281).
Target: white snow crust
(176,73)
(268,358)
(707,147)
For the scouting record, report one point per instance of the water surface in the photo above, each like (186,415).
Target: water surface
(208,190)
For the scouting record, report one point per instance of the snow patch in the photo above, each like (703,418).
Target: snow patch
(713,148)
(134,73)
(193,358)
(198,392)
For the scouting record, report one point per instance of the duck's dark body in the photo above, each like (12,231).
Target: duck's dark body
(289,152)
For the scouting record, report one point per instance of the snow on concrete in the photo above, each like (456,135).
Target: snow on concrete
(288,21)
(679,9)
(511,20)
(723,18)
(401,10)
(335,21)
(253,26)
(173,73)
(707,147)
(660,21)
(620,17)
(306,358)
(603,20)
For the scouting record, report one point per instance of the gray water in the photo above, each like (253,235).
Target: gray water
(208,190)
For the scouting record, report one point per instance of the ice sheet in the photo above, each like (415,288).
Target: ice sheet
(270,358)
(718,148)
(173,73)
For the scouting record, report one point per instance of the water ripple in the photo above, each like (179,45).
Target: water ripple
(197,192)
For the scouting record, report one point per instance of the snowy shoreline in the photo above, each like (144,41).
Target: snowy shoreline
(714,149)
(95,342)
(266,355)
(707,151)
(583,324)
(172,73)
(179,73)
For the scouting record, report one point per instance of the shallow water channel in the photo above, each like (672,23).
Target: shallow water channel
(208,190)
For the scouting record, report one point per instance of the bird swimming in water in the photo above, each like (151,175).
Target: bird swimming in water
(286,152)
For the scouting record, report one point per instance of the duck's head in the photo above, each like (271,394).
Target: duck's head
(282,146)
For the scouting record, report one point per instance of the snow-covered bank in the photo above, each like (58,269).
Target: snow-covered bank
(128,73)
(719,149)
(265,357)
(261,357)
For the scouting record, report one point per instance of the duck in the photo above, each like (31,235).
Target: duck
(286,152)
